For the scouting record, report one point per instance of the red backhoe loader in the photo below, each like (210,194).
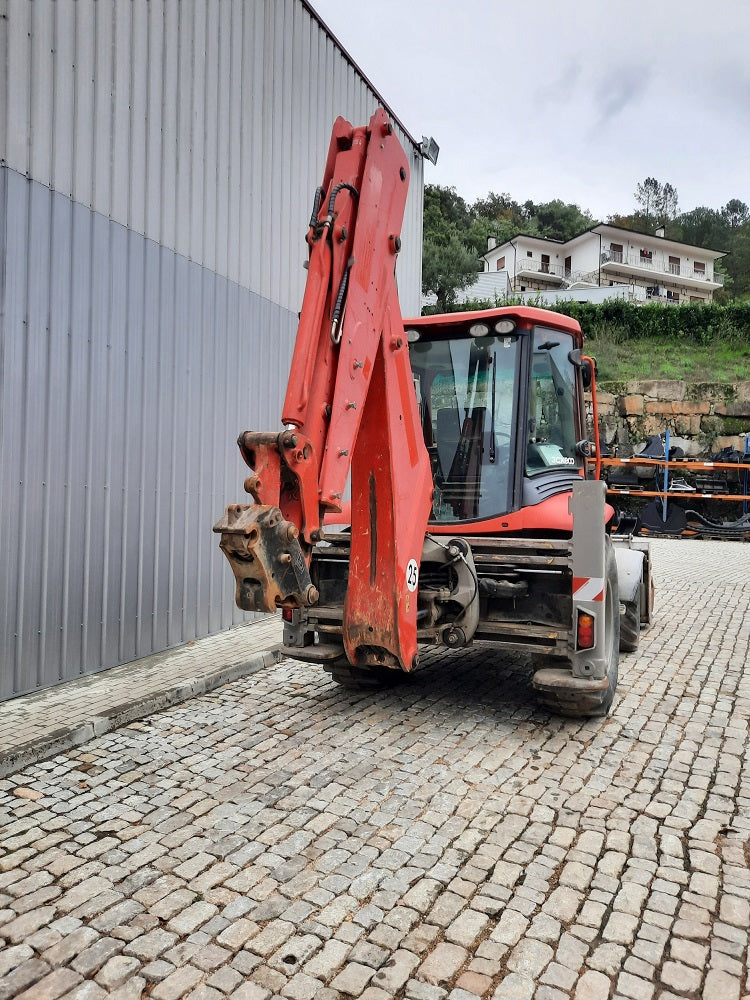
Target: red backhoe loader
(476,512)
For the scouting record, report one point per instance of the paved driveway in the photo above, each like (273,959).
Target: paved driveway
(280,837)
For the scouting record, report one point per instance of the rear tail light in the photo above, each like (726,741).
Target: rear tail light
(585,631)
(286,614)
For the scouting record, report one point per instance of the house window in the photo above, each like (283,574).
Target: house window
(646,255)
(673,296)
(528,253)
(674,265)
(699,269)
(568,266)
(545,264)
(501,263)
(615,250)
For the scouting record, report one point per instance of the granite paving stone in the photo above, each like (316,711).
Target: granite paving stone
(280,837)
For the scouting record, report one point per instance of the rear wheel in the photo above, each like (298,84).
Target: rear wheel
(580,697)
(630,625)
(612,627)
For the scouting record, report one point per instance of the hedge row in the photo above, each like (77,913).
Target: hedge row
(695,321)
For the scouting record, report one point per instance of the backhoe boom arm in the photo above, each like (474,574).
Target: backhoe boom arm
(350,407)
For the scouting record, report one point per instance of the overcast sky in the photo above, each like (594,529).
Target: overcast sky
(577,100)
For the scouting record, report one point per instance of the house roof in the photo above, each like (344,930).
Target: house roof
(602,229)
(528,238)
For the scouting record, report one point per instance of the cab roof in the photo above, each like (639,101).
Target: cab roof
(525,317)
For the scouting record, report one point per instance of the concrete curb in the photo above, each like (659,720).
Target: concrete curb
(52,743)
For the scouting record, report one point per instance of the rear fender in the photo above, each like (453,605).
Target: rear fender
(634,572)
(629,572)
(589,568)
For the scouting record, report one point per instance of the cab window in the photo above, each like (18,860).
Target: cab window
(552,431)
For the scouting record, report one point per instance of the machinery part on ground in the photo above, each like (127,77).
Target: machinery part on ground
(702,525)
(653,520)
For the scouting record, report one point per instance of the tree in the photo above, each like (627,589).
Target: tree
(499,208)
(636,221)
(735,214)
(447,264)
(482,228)
(497,215)
(647,195)
(444,203)
(557,220)
(668,204)
(659,201)
(702,226)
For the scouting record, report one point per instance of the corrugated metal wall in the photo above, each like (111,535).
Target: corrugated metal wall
(156,177)
(201,125)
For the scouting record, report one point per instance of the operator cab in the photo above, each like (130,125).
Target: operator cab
(501,404)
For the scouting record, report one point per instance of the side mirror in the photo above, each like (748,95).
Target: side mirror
(576,358)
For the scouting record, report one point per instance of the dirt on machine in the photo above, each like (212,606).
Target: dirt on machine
(435,482)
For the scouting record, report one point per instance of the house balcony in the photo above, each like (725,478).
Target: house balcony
(533,268)
(656,266)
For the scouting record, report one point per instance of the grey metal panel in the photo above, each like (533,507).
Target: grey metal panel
(63,101)
(124,155)
(101,138)
(4,68)
(201,125)
(34,379)
(126,373)
(12,312)
(42,83)
(148,450)
(95,446)
(141,112)
(162,448)
(82,129)
(80,390)
(52,445)
(168,81)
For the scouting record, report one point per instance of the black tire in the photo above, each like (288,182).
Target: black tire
(612,626)
(582,703)
(630,626)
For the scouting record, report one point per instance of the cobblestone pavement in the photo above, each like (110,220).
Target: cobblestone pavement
(38,725)
(446,838)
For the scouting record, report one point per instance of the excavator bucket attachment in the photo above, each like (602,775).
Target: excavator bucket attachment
(266,559)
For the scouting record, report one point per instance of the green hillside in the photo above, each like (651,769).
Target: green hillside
(695,343)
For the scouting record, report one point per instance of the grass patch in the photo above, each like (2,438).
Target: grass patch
(634,359)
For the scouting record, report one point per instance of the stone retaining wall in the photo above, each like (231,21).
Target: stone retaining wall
(706,416)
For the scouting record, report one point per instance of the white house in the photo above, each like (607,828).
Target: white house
(602,262)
